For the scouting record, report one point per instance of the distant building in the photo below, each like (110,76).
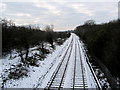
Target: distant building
(119,10)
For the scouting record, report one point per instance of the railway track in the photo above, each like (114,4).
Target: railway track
(91,71)
(79,78)
(88,70)
(57,79)
(52,64)
(74,70)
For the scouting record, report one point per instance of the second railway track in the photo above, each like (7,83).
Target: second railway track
(57,79)
(73,70)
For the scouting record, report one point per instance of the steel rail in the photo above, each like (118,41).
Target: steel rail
(56,71)
(81,67)
(74,69)
(93,73)
(65,69)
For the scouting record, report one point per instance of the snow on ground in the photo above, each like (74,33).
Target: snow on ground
(69,74)
(32,80)
(70,68)
(38,77)
(103,82)
(53,66)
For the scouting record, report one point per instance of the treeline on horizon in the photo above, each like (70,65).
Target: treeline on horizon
(103,41)
(23,37)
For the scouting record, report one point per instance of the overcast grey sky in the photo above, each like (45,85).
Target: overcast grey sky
(63,15)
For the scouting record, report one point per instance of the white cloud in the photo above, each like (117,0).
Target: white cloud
(20,22)
(23,14)
(51,8)
(64,15)
(111,9)
(61,0)
(2,7)
(81,8)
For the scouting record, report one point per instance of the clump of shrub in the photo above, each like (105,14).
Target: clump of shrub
(32,61)
(60,41)
(17,72)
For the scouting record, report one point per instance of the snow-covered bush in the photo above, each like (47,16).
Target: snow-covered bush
(15,72)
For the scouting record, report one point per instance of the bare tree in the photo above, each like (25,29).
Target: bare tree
(89,22)
(49,34)
(49,28)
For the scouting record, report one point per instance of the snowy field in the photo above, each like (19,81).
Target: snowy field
(68,61)
(34,73)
